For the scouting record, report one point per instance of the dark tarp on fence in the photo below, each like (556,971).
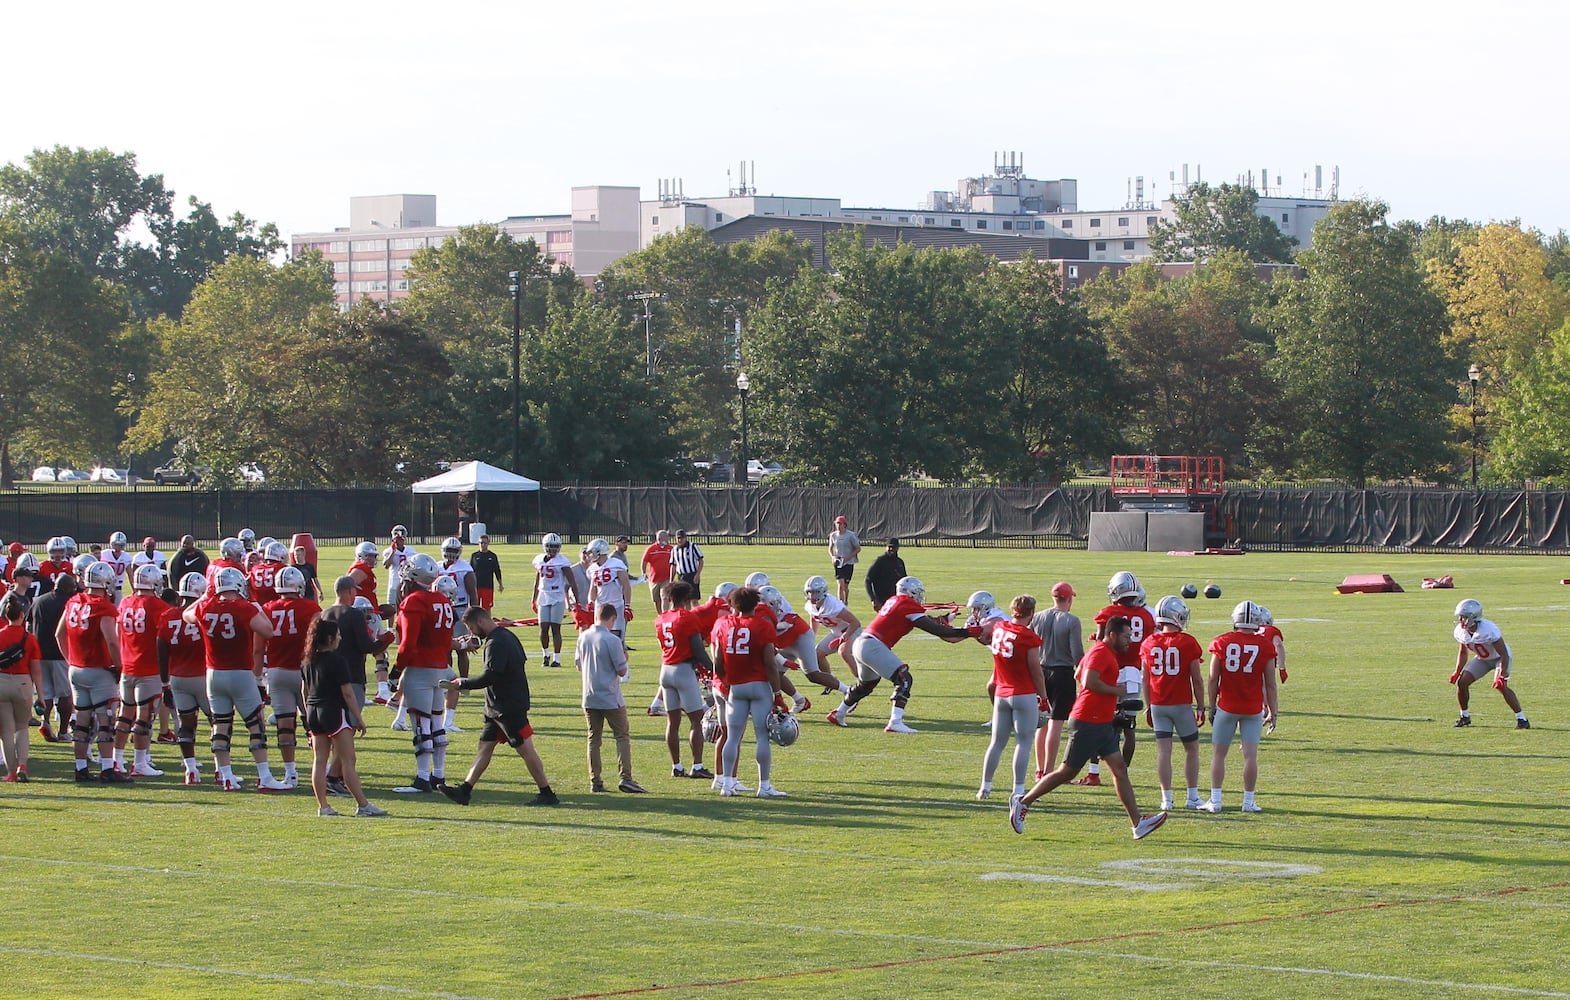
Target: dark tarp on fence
(1503,520)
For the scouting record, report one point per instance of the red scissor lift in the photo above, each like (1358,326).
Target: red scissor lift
(1174,482)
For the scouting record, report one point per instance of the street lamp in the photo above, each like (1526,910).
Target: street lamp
(516,288)
(651,359)
(1473,374)
(742,385)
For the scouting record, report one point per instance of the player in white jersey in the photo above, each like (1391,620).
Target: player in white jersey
(841,628)
(608,584)
(120,559)
(1483,648)
(150,556)
(393,557)
(465,593)
(553,578)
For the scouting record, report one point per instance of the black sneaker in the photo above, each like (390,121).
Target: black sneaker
(115,776)
(544,799)
(418,786)
(459,794)
(337,787)
(1522,724)
(1463,722)
(598,786)
(440,784)
(83,774)
(699,771)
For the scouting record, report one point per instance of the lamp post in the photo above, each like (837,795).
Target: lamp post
(651,360)
(742,385)
(1472,376)
(516,288)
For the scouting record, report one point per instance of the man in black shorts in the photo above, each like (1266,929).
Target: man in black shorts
(506,707)
(1062,648)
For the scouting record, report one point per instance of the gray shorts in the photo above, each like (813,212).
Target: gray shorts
(190,694)
(803,651)
(283,686)
(1477,669)
(1247,727)
(420,693)
(233,692)
(136,691)
(828,639)
(1170,720)
(56,677)
(359,694)
(93,687)
(680,684)
(873,658)
(552,614)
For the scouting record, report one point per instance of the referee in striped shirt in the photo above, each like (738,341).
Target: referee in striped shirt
(687,560)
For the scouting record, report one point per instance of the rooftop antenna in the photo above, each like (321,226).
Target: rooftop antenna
(1319,180)
(1335,183)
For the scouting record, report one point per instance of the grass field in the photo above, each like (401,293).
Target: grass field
(1396,857)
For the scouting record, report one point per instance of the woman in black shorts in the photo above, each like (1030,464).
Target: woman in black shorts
(332,716)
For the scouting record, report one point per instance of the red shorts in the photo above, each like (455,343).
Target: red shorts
(487,597)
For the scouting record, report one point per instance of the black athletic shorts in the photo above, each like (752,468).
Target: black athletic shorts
(1060,692)
(513,731)
(1089,740)
(844,571)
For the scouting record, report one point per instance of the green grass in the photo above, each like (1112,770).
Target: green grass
(1407,835)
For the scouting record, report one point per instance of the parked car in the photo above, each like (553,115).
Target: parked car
(173,475)
(250,472)
(102,474)
(44,474)
(757,470)
(71,476)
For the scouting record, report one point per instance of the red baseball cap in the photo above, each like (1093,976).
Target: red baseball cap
(17,548)
(1062,589)
(841,520)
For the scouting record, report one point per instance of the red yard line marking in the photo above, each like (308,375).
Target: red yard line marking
(1022,949)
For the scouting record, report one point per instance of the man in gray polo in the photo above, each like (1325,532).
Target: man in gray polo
(602,660)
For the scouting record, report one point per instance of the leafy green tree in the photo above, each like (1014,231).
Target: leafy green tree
(1359,352)
(1209,220)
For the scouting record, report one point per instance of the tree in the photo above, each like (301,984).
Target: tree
(1359,351)
(1209,220)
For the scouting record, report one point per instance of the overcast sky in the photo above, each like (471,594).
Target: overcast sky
(284,110)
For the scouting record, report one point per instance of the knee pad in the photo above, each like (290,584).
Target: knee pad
(902,684)
(286,731)
(255,724)
(1190,738)
(141,727)
(223,728)
(105,721)
(185,732)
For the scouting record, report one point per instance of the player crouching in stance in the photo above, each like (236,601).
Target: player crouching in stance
(1242,699)
(684,666)
(1483,648)
(506,686)
(1094,734)
(1019,690)
(843,627)
(1175,692)
(745,660)
(875,657)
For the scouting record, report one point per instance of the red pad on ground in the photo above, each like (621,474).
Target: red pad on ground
(1369,583)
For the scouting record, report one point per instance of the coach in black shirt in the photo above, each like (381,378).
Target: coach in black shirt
(885,573)
(187,559)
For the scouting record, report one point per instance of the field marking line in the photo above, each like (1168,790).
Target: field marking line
(491,900)
(277,977)
(1066,945)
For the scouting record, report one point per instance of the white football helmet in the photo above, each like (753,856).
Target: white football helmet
(783,729)
(247,538)
(1246,617)
(26,563)
(911,588)
(551,543)
(1265,617)
(981,603)
(364,603)
(1172,610)
(756,580)
(712,725)
(70,546)
(276,551)
(452,547)
(147,577)
(118,538)
(1124,584)
(264,541)
(289,580)
(399,529)
(229,581)
(599,548)
(1469,613)
(724,590)
(97,576)
(80,563)
(447,587)
(193,586)
(421,569)
(231,549)
(772,597)
(816,589)
(366,552)
(56,547)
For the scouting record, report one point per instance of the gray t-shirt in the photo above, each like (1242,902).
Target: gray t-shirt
(1062,645)
(600,657)
(844,545)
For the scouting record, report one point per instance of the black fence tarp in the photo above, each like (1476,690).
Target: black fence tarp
(1270,519)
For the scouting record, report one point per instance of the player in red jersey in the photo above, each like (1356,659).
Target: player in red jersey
(263,575)
(235,631)
(685,666)
(1269,631)
(1175,695)
(20,684)
(1019,690)
(231,555)
(188,674)
(291,613)
(1242,698)
(793,643)
(745,660)
(58,564)
(875,656)
(363,571)
(1128,601)
(87,636)
(1094,731)
(144,664)
(425,640)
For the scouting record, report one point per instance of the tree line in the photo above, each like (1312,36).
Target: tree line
(135,334)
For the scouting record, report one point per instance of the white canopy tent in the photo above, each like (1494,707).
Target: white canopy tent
(474,477)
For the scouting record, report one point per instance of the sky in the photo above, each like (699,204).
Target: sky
(285,110)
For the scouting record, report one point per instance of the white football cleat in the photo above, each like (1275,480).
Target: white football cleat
(1252,807)
(768,791)
(1191,804)
(983,792)
(835,719)
(231,784)
(271,784)
(899,727)
(1209,806)
(1017,812)
(193,777)
(146,771)
(399,726)
(1149,825)
(739,785)
(728,788)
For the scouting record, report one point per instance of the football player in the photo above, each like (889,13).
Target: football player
(608,584)
(842,627)
(247,541)
(150,556)
(875,657)
(264,572)
(1128,601)
(1241,700)
(144,661)
(58,564)
(1018,688)
(86,634)
(792,642)
(363,570)
(291,612)
(1269,631)
(553,580)
(235,631)
(425,624)
(188,674)
(1174,684)
(685,666)
(745,659)
(464,595)
(393,558)
(1483,648)
(231,555)
(120,559)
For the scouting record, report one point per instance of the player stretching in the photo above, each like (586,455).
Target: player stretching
(1483,648)
(875,656)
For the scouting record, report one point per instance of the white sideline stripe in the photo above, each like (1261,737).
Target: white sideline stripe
(1309,971)
(1104,883)
(276,977)
(502,900)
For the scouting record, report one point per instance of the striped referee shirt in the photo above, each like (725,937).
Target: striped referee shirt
(686,559)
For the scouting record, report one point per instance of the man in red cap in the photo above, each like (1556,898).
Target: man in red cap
(844,548)
(150,556)
(1063,646)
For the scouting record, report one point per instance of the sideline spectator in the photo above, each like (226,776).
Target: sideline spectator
(487,574)
(656,566)
(300,559)
(1064,647)
(331,717)
(886,570)
(150,556)
(189,559)
(844,549)
(19,679)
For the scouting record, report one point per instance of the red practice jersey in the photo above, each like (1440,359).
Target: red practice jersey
(262,576)
(1089,706)
(1141,624)
(142,619)
(226,631)
(366,588)
(187,655)
(84,637)
(896,618)
(290,616)
(1245,656)
(740,641)
(1011,646)
(425,620)
(1165,658)
(675,629)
